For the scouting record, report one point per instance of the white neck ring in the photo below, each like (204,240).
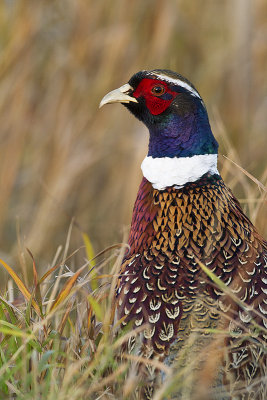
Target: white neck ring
(177,171)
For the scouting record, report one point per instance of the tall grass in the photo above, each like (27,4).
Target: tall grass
(62,158)
(59,340)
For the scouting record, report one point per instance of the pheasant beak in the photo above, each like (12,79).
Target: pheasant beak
(119,96)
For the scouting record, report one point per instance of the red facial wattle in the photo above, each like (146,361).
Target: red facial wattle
(155,103)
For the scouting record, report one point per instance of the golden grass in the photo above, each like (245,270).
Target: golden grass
(62,158)
(59,341)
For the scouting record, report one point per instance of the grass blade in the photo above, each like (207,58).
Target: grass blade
(67,288)
(21,286)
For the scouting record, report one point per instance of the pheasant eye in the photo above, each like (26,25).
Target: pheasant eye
(158,90)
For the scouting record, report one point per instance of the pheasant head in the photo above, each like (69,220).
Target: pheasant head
(182,147)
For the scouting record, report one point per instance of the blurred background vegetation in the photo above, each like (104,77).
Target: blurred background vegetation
(63,158)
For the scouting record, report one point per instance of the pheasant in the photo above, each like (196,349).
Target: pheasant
(185,219)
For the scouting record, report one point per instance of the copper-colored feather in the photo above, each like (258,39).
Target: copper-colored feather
(163,285)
